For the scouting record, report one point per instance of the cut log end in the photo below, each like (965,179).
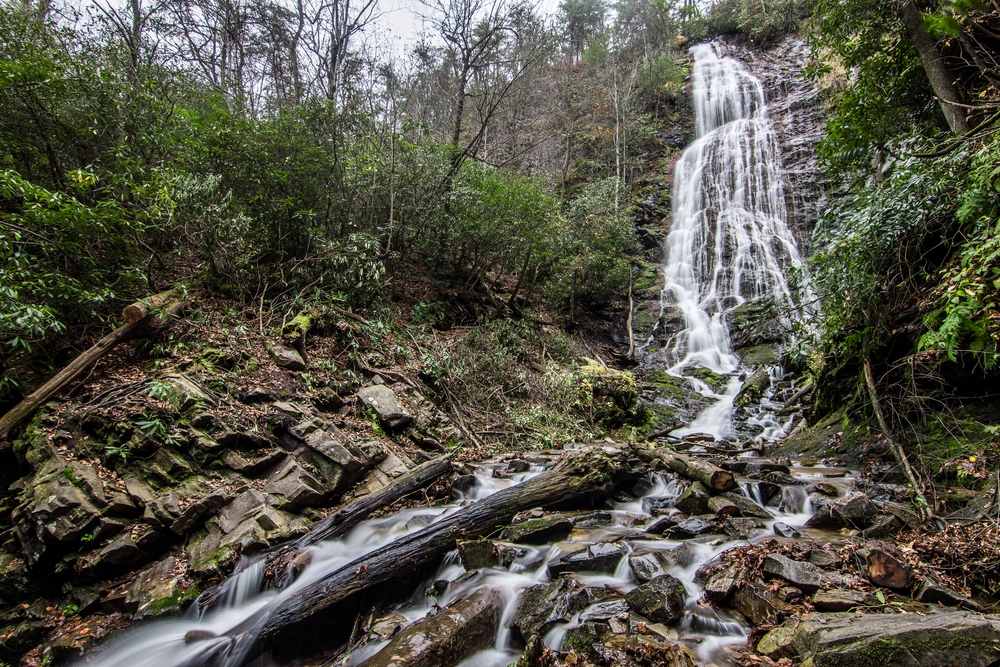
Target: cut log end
(887,567)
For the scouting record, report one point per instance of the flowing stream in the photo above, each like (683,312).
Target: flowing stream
(729,240)
(167,643)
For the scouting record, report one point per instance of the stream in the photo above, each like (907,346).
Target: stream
(198,637)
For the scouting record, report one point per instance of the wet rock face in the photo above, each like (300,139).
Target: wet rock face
(796,109)
(602,557)
(661,599)
(537,531)
(540,607)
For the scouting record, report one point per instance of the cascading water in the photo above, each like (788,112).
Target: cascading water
(729,241)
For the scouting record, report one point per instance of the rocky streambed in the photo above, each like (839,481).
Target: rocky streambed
(624,562)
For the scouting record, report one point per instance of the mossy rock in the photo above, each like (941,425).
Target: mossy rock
(759,355)
(608,397)
(711,378)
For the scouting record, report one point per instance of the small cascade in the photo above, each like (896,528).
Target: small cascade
(729,241)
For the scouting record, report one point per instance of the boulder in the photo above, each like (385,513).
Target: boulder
(722,584)
(605,611)
(537,531)
(784,530)
(840,599)
(585,638)
(742,528)
(594,520)
(936,592)
(854,511)
(824,558)
(478,554)
(894,640)
(448,637)
(287,357)
(805,576)
(542,606)
(602,557)
(689,528)
(383,401)
(758,604)
(747,507)
(291,487)
(661,599)
(694,500)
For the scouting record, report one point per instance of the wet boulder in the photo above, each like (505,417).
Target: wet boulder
(784,530)
(594,520)
(158,590)
(608,396)
(447,638)
(542,606)
(602,557)
(605,611)
(689,528)
(537,531)
(758,604)
(824,558)
(694,500)
(747,507)
(742,528)
(661,599)
(586,638)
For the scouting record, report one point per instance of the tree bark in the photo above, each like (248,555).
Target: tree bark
(713,477)
(887,567)
(140,309)
(312,618)
(937,72)
(139,329)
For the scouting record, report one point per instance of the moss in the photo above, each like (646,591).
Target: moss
(711,378)
(170,602)
(608,397)
(649,279)
(759,355)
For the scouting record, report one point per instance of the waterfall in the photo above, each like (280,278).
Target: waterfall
(729,240)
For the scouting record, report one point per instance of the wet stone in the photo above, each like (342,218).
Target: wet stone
(463,483)
(789,593)
(658,504)
(478,554)
(758,604)
(823,558)
(782,479)
(825,488)
(694,500)
(537,531)
(604,611)
(583,638)
(542,606)
(689,528)
(661,600)
(518,466)
(602,557)
(721,585)
(747,507)
(742,528)
(594,520)
(935,592)
(784,530)
(806,576)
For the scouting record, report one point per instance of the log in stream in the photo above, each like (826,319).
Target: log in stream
(320,616)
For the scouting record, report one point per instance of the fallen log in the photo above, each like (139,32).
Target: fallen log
(142,308)
(447,638)
(306,621)
(343,520)
(887,567)
(713,477)
(145,327)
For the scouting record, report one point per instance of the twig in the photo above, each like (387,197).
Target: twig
(897,449)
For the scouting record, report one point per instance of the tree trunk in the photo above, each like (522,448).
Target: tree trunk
(713,477)
(937,72)
(139,329)
(140,309)
(317,617)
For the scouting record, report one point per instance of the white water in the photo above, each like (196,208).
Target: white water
(729,240)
